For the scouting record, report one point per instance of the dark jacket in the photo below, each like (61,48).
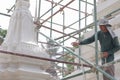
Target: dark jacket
(107,43)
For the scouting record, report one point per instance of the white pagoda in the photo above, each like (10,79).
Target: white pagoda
(21,39)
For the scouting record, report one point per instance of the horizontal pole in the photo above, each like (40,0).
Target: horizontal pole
(57,31)
(5,14)
(42,58)
(58,11)
(77,31)
(50,9)
(67,7)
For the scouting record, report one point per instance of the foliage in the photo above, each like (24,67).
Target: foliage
(3,33)
(70,67)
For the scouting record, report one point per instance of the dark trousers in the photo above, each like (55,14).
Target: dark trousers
(110,70)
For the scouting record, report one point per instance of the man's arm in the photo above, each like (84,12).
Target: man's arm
(88,40)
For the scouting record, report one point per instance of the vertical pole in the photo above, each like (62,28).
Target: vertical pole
(80,40)
(38,16)
(52,63)
(96,37)
(79,29)
(51,19)
(35,19)
(39,9)
(85,14)
(63,39)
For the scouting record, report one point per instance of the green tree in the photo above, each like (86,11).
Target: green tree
(2,34)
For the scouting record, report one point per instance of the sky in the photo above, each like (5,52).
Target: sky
(69,17)
(4,6)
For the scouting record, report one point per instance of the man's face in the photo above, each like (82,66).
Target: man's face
(103,28)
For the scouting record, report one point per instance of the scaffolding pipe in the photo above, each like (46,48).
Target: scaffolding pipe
(72,35)
(86,61)
(58,24)
(63,66)
(68,77)
(5,14)
(110,14)
(113,62)
(77,31)
(39,8)
(87,2)
(96,38)
(57,31)
(85,14)
(78,21)
(79,26)
(42,58)
(53,23)
(89,71)
(51,20)
(50,9)
(10,8)
(38,18)
(67,7)
(58,11)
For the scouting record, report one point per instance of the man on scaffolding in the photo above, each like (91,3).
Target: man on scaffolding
(109,45)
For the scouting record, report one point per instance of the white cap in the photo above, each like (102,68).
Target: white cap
(103,21)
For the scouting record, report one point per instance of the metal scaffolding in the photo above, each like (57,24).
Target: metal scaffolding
(65,31)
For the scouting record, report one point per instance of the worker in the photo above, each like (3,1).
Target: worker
(109,44)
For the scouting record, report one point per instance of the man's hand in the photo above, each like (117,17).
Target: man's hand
(104,55)
(75,44)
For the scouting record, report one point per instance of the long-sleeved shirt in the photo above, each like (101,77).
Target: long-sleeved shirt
(107,43)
